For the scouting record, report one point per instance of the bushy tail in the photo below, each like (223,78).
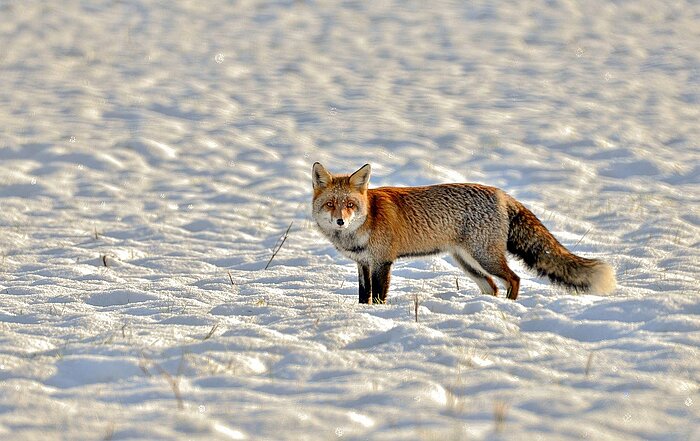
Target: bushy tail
(530,240)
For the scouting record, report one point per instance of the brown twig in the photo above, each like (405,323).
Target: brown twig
(284,238)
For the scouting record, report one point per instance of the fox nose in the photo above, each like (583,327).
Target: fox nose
(340,222)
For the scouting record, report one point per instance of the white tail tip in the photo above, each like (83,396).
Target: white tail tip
(603,280)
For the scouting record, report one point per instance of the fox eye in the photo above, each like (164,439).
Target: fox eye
(350,204)
(329,204)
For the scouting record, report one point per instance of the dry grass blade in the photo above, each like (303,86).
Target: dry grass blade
(284,239)
(174,384)
(579,241)
(415,306)
(109,434)
(211,332)
(589,363)
(500,410)
(230,277)
(143,365)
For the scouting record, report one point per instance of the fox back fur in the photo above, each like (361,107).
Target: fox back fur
(475,223)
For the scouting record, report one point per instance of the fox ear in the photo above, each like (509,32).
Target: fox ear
(320,176)
(360,179)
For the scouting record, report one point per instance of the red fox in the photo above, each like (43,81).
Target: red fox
(475,223)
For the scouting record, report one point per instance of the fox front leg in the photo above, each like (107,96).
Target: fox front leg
(381,275)
(365,282)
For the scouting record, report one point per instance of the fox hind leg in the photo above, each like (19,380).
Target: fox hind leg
(381,276)
(472,268)
(497,265)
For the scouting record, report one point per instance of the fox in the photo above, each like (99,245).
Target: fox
(476,224)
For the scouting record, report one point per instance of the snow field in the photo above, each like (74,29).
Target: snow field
(153,153)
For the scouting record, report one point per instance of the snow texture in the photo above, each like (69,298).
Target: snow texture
(152,154)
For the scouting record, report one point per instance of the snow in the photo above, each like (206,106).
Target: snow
(152,154)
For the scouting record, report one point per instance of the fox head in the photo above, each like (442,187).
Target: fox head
(340,201)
